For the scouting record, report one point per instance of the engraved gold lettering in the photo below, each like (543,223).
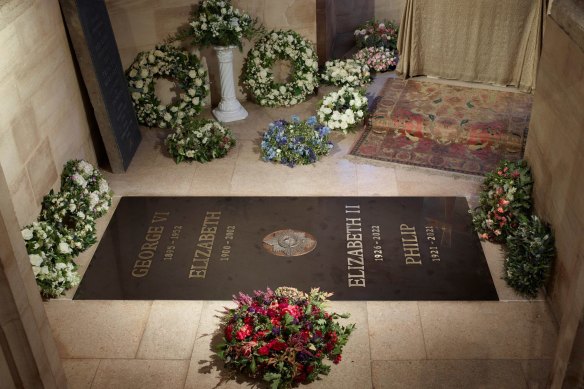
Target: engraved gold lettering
(355,259)
(410,245)
(356,282)
(150,245)
(200,261)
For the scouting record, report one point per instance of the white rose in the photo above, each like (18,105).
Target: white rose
(198,82)
(64,248)
(60,266)
(26,234)
(144,73)
(192,73)
(35,259)
(136,95)
(133,73)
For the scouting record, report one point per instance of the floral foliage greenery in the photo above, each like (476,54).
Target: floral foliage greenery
(506,194)
(66,227)
(199,140)
(184,69)
(342,110)
(341,72)
(378,59)
(377,34)
(51,258)
(218,23)
(530,252)
(297,142)
(258,78)
(85,181)
(282,336)
(70,217)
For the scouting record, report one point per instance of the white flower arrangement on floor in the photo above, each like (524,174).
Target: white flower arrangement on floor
(71,216)
(218,23)
(166,61)
(81,178)
(378,59)
(342,110)
(50,255)
(66,227)
(281,45)
(350,72)
(199,140)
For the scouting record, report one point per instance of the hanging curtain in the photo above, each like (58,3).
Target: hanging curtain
(489,41)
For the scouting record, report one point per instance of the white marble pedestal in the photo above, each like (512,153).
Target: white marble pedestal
(229,109)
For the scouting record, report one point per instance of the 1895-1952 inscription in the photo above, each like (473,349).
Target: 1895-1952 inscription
(358,248)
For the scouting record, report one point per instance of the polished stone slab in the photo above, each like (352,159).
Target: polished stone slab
(359,248)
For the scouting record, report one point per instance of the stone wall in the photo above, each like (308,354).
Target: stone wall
(140,24)
(554,151)
(43,122)
(389,9)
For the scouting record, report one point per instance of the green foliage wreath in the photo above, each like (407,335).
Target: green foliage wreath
(184,69)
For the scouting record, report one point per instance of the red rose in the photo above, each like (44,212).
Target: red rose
(275,321)
(310,369)
(248,320)
(264,350)
(244,332)
(277,345)
(337,359)
(229,332)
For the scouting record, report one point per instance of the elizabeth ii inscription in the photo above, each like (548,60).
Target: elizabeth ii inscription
(366,248)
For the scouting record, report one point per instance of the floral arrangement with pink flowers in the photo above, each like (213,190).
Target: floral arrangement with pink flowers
(505,195)
(378,59)
(283,336)
(377,34)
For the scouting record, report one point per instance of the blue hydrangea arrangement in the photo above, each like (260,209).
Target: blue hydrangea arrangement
(295,142)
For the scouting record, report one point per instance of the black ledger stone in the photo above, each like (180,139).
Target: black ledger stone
(359,248)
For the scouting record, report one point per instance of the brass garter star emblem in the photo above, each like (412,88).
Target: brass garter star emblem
(289,243)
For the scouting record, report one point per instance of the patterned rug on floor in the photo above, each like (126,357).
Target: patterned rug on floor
(440,126)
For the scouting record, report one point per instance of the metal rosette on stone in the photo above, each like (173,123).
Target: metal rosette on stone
(289,243)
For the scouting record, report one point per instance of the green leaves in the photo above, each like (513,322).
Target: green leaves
(199,140)
(530,253)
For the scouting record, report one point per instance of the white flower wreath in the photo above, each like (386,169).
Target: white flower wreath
(183,68)
(342,110)
(281,45)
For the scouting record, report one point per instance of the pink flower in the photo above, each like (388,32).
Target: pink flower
(293,310)
(244,332)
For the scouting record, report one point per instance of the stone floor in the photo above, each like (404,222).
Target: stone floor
(167,344)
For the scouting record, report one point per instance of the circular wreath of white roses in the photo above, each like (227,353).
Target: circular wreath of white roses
(183,68)
(281,45)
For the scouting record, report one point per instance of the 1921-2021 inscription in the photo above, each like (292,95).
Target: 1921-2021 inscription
(369,248)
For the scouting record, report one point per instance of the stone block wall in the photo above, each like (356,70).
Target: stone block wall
(389,9)
(140,24)
(43,121)
(555,152)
